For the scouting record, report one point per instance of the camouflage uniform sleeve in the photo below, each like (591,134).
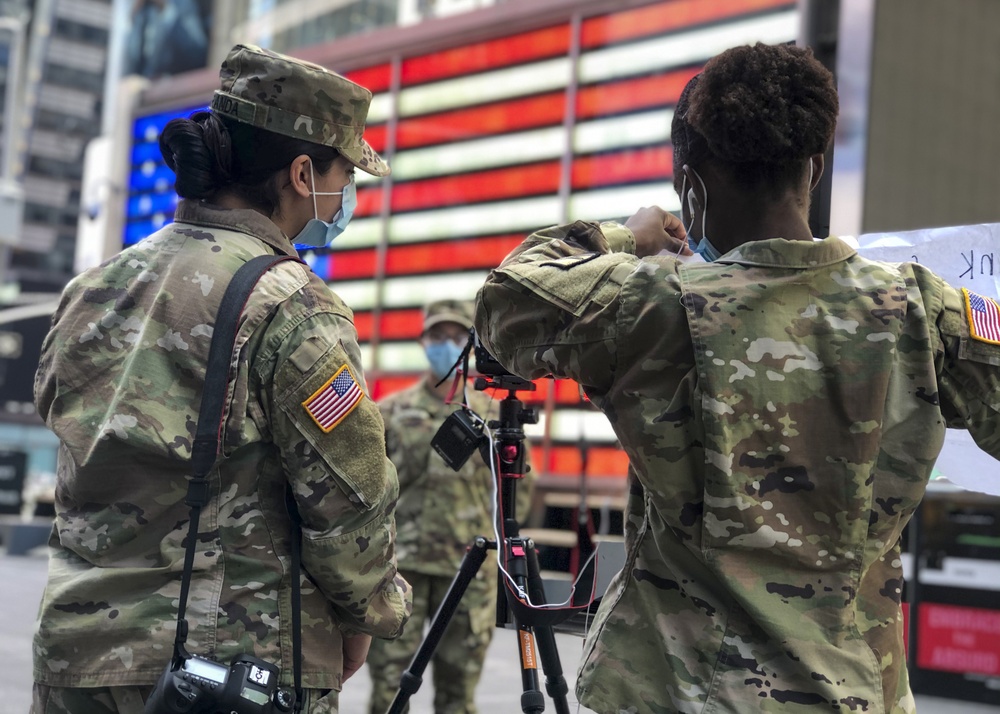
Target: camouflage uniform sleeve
(551,307)
(968,371)
(331,438)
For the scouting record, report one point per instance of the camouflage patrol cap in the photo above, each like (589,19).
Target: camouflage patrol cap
(458,311)
(299,99)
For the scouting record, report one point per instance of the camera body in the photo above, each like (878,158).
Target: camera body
(486,364)
(203,686)
(457,439)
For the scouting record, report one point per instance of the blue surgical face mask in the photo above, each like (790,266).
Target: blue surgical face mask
(442,356)
(320,233)
(705,249)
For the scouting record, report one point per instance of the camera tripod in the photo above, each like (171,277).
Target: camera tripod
(537,643)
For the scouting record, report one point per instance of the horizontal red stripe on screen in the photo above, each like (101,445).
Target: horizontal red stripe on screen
(375,79)
(631,165)
(392,324)
(443,256)
(631,95)
(384,386)
(565,392)
(452,255)
(492,185)
(401,324)
(602,461)
(498,118)
(665,17)
(348,264)
(491,54)
(369,201)
(364,323)
(375,136)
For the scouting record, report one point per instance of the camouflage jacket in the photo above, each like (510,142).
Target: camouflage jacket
(440,510)
(120,382)
(781,409)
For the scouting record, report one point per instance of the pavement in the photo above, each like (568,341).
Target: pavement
(23,579)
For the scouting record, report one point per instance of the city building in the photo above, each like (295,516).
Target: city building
(61,106)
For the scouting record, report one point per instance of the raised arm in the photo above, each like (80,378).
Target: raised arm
(551,307)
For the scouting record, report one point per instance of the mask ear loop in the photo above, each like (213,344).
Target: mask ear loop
(312,177)
(687,230)
(316,193)
(704,208)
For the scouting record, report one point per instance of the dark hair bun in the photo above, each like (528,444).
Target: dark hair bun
(765,103)
(199,151)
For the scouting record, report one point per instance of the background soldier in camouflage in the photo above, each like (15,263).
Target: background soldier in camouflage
(782,408)
(120,382)
(440,512)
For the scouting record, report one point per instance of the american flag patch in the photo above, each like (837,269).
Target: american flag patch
(984,317)
(334,400)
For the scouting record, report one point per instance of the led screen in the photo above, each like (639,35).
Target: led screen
(491,140)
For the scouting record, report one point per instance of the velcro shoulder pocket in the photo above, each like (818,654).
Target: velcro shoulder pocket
(569,282)
(339,423)
(977,351)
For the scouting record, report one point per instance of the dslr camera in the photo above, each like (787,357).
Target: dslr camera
(202,686)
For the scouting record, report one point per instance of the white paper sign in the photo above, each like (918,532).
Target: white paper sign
(965,256)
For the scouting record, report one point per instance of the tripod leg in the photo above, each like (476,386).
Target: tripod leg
(411,679)
(532,701)
(536,642)
(555,682)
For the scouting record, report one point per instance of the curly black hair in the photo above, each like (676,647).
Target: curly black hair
(758,112)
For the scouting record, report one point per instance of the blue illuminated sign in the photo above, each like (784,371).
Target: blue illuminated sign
(151,198)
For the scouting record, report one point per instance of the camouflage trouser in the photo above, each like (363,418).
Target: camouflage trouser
(129,700)
(458,658)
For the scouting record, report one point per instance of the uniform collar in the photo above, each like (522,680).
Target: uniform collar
(242,220)
(778,252)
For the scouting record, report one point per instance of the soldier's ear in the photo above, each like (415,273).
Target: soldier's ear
(299,177)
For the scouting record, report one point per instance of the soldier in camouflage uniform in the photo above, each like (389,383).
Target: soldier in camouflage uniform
(782,407)
(120,382)
(440,512)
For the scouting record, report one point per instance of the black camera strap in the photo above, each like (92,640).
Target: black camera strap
(205,450)
(293,513)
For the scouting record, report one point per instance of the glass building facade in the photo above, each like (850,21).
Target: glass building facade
(61,109)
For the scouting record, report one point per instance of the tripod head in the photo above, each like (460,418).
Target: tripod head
(509,434)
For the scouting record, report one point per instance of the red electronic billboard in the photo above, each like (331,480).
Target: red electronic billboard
(525,127)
